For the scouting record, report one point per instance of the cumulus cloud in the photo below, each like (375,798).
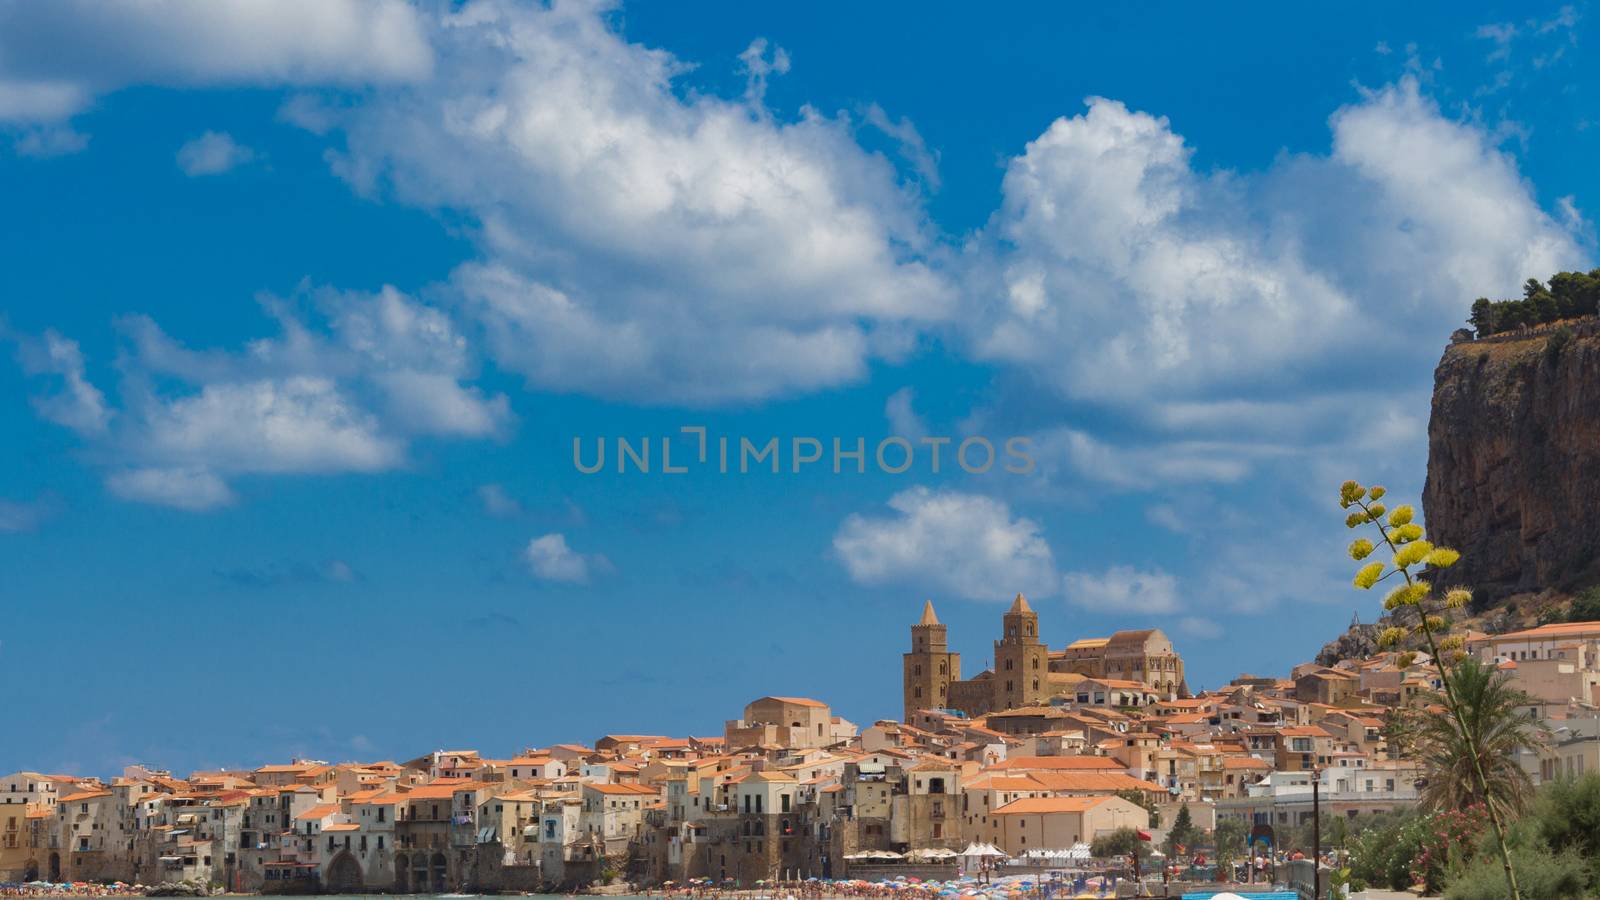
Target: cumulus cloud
(1195,626)
(294,424)
(638,241)
(212,153)
(1060,451)
(345,387)
(193,489)
(973,547)
(551,559)
(75,402)
(903,419)
(1123,588)
(966,544)
(496,502)
(1120,272)
(56,58)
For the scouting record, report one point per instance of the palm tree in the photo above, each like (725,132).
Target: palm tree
(1475,762)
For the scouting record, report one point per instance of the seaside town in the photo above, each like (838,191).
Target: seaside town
(1027,771)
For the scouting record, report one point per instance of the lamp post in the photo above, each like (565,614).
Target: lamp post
(1316,834)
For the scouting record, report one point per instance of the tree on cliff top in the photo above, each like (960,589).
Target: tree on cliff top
(1568,295)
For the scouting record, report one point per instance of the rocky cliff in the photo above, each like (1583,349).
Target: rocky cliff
(1514,462)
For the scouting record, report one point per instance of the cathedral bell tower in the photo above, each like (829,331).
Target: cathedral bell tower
(930,667)
(1021,660)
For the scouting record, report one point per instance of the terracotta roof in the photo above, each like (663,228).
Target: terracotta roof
(1059,762)
(1244,762)
(1028,711)
(1045,805)
(1556,630)
(443,788)
(1303,731)
(319,811)
(625,788)
(798,701)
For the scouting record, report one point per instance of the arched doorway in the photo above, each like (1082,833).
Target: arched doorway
(402,874)
(55,868)
(344,875)
(438,865)
(31,871)
(419,874)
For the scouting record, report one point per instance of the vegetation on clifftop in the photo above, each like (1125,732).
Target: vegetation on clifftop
(1567,296)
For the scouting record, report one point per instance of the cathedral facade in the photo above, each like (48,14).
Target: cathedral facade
(1026,671)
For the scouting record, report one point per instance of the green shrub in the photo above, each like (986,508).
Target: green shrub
(1585,607)
(1555,343)
(1382,853)
(1566,816)
(1541,875)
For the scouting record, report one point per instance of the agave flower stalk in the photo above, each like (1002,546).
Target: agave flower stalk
(1409,548)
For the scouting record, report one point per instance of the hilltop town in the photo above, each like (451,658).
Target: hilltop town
(1037,757)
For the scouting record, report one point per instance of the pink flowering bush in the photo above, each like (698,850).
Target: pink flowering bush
(1449,840)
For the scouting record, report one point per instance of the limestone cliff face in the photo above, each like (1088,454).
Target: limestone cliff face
(1514,462)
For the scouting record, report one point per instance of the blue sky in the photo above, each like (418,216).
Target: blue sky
(303,305)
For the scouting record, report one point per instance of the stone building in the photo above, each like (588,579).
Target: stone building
(1145,656)
(788,722)
(1026,672)
(930,667)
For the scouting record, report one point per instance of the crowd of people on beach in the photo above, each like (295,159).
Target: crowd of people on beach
(78,889)
(818,889)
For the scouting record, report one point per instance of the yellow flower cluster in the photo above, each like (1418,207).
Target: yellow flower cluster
(1390,636)
(1407,595)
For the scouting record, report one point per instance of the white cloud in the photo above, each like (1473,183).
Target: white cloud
(637,241)
(191,489)
(56,57)
(45,141)
(902,415)
(1062,450)
(212,153)
(966,544)
(345,387)
(550,559)
(296,424)
(1119,272)
(1123,589)
(923,161)
(496,502)
(1166,516)
(77,404)
(1195,626)
(436,403)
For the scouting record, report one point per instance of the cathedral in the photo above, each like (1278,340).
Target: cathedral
(1026,671)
